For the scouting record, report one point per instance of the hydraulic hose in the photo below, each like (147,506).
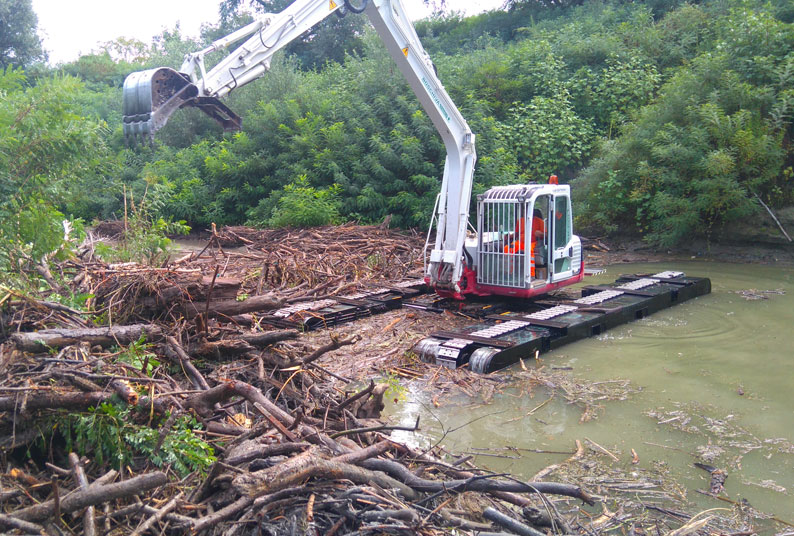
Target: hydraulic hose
(350,7)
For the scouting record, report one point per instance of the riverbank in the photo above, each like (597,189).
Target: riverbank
(632,250)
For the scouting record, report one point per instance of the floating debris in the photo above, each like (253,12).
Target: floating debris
(753,294)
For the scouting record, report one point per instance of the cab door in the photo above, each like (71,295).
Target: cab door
(561,238)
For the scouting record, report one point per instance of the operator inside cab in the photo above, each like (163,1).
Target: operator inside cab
(538,251)
(538,230)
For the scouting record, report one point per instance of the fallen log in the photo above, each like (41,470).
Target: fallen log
(217,350)
(513,525)
(125,391)
(247,453)
(488,485)
(404,514)
(309,464)
(269,337)
(9,522)
(44,340)
(229,308)
(92,496)
(47,399)
(33,400)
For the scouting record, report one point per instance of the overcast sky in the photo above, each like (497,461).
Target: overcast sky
(69,29)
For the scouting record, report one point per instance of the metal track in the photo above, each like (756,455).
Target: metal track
(306,316)
(501,340)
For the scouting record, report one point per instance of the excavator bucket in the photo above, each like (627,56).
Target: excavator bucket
(150,97)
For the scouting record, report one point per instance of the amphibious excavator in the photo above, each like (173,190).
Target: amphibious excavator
(523,245)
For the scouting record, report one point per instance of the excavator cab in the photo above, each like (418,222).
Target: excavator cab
(150,97)
(524,245)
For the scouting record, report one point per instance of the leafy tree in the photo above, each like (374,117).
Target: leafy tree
(19,44)
(98,70)
(128,51)
(301,205)
(46,147)
(547,137)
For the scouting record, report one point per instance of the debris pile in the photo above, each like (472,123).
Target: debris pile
(322,260)
(283,447)
(185,414)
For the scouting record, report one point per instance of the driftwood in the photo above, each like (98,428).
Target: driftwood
(93,495)
(37,400)
(308,465)
(228,308)
(269,337)
(46,399)
(10,522)
(89,525)
(42,341)
(223,349)
(514,526)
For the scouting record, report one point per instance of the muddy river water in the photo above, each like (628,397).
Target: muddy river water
(712,382)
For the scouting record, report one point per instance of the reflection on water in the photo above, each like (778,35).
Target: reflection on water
(719,359)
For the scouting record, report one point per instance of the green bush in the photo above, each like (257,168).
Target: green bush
(693,160)
(110,435)
(47,148)
(301,205)
(547,137)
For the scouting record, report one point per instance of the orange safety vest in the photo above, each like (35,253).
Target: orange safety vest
(517,246)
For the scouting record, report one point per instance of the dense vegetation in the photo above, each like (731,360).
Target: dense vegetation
(668,118)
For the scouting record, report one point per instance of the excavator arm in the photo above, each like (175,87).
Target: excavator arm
(150,97)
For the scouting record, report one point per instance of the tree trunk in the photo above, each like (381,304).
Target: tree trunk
(42,341)
(233,307)
(93,495)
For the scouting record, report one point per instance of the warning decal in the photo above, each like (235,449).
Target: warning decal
(405,52)
(331,5)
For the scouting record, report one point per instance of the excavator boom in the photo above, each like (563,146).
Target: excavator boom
(151,97)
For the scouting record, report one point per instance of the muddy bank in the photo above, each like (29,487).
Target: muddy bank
(617,251)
